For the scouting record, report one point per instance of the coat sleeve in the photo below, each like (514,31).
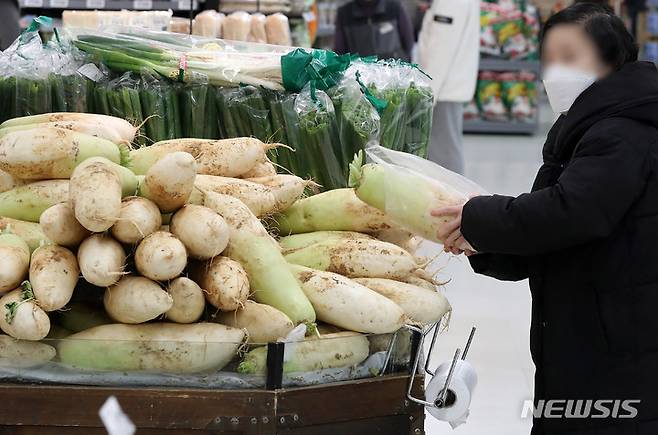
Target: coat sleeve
(597,188)
(500,266)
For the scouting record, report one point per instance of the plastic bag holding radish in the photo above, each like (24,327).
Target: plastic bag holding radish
(407,188)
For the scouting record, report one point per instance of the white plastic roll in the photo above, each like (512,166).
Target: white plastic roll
(463,383)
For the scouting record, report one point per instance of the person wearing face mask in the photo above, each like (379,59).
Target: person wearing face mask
(586,234)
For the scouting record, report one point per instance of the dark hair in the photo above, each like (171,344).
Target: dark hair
(614,42)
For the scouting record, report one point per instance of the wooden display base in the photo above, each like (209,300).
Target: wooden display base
(362,407)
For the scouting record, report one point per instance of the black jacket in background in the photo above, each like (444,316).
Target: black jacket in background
(587,237)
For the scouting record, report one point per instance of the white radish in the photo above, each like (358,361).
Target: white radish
(226,157)
(8,181)
(60,225)
(347,304)
(250,244)
(404,239)
(53,274)
(14,261)
(124,129)
(138,218)
(342,349)
(45,153)
(102,260)
(419,304)
(264,168)
(21,317)
(257,197)
(30,232)
(101,130)
(203,231)
(158,347)
(334,210)
(169,182)
(189,301)
(135,299)
(264,324)
(24,354)
(95,192)
(287,189)
(420,282)
(224,282)
(360,258)
(298,241)
(160,256)
(29,201)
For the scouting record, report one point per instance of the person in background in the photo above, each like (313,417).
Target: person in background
(9,27)
(374,27)
(449,51)
(585,235)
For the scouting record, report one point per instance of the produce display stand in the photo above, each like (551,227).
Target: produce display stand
(378,404)
(368,406)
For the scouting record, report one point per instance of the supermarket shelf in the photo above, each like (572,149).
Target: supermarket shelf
(511,127)
(491,64)
(325,30)
(140,5)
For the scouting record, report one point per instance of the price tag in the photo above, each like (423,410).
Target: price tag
(32,3)
(142,4)
(95,4)
(59,4)
(184,5)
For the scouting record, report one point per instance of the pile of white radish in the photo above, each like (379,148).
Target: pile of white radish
(172,234)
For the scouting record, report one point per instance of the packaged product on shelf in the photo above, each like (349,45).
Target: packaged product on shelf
(509,29)
(179,25)
(515,96)
(489,97)
(511,37)
(277,28)
(257,29)
(237,26)
(471,110)
(208,23)
(264,6)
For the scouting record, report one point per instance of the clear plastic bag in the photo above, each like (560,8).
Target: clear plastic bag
(161,109)
(358,120)
(277,28)
(413,187)
(313,133)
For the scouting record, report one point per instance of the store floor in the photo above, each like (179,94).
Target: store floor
(500,310)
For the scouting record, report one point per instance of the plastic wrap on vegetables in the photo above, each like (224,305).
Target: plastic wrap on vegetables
(243,113)
(358,120)
(420,106)
(198,113)
(160,106)
(318,152)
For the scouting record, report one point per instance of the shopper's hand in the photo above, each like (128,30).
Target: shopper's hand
(450,232)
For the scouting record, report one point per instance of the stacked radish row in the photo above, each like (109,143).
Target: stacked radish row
(173,234)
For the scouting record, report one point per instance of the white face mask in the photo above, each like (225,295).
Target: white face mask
(563,85)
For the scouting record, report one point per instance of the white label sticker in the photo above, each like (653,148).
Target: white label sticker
(142,4)
(32,3)
(59,4)
(95,4)
(386,27)
(114,419)
(91,71)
